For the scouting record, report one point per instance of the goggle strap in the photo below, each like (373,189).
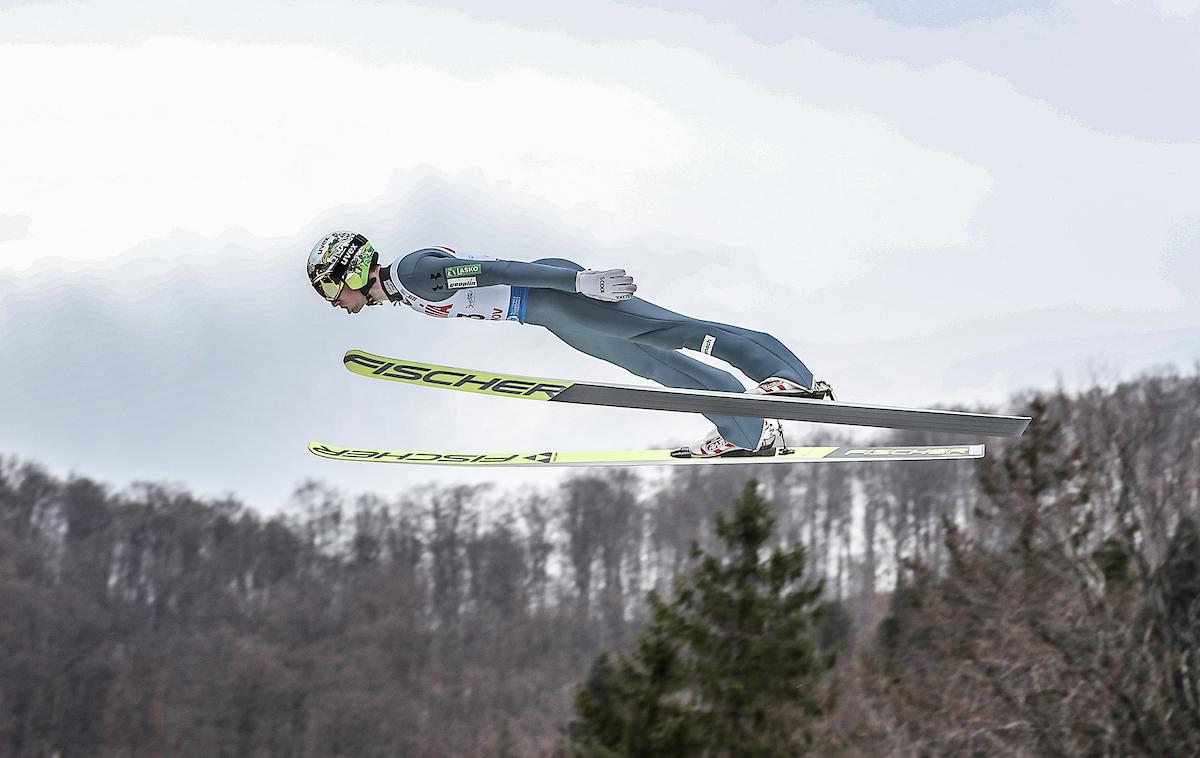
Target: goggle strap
(391,287)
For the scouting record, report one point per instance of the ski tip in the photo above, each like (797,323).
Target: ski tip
(354,355)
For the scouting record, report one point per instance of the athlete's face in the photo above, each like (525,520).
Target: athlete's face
(352,301)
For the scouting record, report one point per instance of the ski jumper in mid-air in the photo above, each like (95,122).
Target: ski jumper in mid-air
(594,312)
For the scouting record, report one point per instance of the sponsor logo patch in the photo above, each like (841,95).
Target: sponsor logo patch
(707,347)
(469,269)
(463,283)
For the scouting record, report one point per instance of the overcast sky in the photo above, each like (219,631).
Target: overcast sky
(944,202)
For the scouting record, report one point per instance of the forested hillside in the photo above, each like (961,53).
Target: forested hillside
(1042,601)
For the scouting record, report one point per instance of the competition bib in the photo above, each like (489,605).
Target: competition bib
(499,302)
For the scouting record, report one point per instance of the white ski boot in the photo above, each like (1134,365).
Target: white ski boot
(715,445)
(786,387)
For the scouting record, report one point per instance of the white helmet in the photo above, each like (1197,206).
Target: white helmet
(341,258)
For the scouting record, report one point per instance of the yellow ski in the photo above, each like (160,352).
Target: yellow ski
(648,457)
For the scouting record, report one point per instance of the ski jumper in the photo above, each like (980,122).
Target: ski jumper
(636,335)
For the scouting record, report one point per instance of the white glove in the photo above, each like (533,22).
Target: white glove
(611,285)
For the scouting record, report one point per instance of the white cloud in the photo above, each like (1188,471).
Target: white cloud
(1178,8)
(13,227)
(117,144)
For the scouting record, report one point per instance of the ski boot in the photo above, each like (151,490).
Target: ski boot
(714,445)
(787,388)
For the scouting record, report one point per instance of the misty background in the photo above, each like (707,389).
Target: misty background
(940,206)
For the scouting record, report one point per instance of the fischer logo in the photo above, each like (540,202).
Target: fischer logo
(401,457)
(385,456)
(929,451)
(444,377)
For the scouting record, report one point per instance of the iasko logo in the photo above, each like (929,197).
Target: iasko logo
(469,269)
(446,377)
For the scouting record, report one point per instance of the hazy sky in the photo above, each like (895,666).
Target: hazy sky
(944,202)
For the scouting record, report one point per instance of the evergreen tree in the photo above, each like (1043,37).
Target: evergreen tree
(1181,576)
(729,667)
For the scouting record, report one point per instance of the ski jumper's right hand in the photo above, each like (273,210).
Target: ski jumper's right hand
(611,285)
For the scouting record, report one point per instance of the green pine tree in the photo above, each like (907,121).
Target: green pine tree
(729,667)
(1180,577)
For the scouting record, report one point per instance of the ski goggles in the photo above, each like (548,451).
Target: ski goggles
(357,275)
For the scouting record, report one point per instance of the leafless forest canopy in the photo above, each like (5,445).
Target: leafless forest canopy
(1043,601)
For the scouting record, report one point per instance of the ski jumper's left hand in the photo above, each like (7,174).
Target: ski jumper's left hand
(611,285)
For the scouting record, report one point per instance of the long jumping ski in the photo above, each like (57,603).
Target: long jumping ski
(647,457)
(684,400)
